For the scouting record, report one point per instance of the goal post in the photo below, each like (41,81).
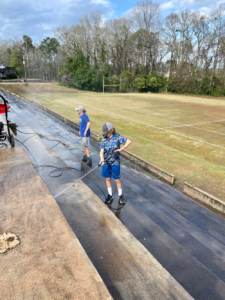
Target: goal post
(110,84)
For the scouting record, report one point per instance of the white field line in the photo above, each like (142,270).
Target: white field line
(194,100)
(192,125)
(105,111)
(146,115)
(114,108)
(150,106)
(93,120)
(210,115)
(164,120)
(182,125)
(211,131)
(208,130)
(202,128)
(165,105)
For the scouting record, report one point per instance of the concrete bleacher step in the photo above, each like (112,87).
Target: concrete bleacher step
(155,240)
(200,216)
(127,268)
(217,265)
(49,263)
(156,227)
(213,225)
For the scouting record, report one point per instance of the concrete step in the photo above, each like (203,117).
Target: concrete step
(127,268)
(198,228)
(200,216)
(208,231)
(190,244)
(147,228)
(49,263)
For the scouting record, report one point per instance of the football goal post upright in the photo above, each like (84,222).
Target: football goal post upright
(110,84)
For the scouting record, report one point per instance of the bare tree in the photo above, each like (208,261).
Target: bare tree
(146,16)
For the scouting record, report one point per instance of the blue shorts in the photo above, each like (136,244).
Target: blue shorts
(107,171)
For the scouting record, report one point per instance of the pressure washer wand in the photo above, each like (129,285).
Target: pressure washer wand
(85,175)
(75,182)
(99,165)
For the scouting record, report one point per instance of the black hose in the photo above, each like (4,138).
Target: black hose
(2,145)
(55,145)
(28,138)
(40,135)
(27,149)
(57,169)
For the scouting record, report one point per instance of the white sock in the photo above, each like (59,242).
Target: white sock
(119,192)
(110,191)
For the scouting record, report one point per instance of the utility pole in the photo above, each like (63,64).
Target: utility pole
(25,69)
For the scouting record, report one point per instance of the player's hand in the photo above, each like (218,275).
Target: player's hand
(85,133)
(118,150)
(101,163)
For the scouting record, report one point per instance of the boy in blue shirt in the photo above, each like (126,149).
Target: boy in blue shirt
(109,145)
(85,133)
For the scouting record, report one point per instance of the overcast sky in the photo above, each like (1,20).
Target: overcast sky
(39,18)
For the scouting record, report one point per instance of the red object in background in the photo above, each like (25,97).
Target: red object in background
(2,109)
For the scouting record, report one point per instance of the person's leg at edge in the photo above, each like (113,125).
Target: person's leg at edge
(119,186)
(86,151)
(116,177)
(121,199)
(110,196)
(106,173)
(109,186)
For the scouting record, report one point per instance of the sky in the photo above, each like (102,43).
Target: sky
(39,19)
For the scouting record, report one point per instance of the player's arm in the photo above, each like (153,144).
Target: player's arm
(101,157)
(128,142)
(87,127)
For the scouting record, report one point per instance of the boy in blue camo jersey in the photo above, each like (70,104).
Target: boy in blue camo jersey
(109,145)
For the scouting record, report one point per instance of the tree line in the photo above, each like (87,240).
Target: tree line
(182,53)
(29,59)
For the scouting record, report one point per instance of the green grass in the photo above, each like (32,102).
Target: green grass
(44,99)
(169,149)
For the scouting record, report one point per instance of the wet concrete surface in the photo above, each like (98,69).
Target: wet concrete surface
(86,225)
(49,263)
(188,216)
(170,228)
(174,258)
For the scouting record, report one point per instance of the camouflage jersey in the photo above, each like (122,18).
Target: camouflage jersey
(110,144)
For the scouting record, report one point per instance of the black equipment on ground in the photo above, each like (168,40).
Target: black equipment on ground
(4,109)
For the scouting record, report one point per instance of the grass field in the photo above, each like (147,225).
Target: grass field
(183,135)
